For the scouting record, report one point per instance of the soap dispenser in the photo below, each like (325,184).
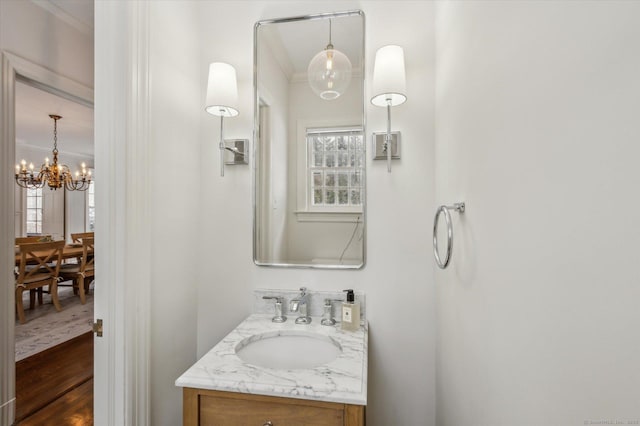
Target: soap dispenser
(350,313)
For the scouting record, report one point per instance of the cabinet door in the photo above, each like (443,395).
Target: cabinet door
(233,412)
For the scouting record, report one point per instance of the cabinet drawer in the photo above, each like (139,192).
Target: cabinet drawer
(233,412)
(217,408)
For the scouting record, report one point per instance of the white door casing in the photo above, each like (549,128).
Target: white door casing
(121,379)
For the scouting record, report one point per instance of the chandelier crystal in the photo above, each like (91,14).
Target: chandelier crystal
(54,175)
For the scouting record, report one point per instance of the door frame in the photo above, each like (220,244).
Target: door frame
(123,251)
(14,68)
(122,151)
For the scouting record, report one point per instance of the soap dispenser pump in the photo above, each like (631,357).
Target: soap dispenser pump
(350,313)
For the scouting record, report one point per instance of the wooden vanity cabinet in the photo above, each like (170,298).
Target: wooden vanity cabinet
(209,408)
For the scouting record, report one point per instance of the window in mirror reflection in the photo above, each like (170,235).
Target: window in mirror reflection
(335,163)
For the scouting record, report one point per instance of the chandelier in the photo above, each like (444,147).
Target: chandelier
(53,175)
(329,72)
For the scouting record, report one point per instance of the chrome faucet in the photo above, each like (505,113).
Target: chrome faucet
(299,304)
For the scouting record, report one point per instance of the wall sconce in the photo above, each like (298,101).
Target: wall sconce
(237,152)
(222,98)
(389,87)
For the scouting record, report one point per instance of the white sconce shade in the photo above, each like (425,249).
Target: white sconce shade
(222,90)
(389,84)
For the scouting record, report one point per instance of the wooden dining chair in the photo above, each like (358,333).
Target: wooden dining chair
(39,267)
(78,236)
(82,272)
(33,239)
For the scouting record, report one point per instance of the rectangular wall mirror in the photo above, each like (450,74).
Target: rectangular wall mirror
(309,150)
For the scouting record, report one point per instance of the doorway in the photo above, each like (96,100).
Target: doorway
(28,93)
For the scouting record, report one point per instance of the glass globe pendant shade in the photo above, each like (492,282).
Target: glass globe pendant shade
(329,73)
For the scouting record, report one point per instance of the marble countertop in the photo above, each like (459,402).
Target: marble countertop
(343,380)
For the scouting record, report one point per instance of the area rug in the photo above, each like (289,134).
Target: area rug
(45,327)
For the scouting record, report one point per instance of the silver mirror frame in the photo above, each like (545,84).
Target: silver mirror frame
(254,150)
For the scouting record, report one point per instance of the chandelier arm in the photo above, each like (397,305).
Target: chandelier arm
(54,175)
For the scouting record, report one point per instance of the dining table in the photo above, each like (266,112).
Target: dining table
(68,252)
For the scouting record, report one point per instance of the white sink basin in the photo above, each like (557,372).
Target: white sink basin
(288,350)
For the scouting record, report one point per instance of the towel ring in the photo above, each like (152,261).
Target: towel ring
(459,207)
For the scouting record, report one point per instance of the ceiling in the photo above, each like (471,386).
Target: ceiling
(34,127)
(77,13)
(301,40)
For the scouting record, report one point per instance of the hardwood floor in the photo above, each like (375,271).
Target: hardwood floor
(56,386)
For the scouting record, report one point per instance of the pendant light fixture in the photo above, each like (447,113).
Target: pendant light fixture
(329,72)
(54,175)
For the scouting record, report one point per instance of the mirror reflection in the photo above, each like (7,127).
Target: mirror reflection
(309,187)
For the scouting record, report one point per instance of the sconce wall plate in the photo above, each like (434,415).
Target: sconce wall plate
(378,146)
(236,152)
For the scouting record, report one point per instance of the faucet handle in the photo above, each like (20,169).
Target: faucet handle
(327,316)
(303,290)
(278,308)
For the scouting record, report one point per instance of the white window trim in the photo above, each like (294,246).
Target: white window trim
(304,211)
(329,216)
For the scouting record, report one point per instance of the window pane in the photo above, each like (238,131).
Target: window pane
(39,215)
(330,160)
(355,197)
(317,196)
(317,159)
(343,179)
(343,159)
(318,145)
(358,142)
(31,228)
(31,215)
(356,178)
(330,143)
(343,196)
(317,178)
(31,203)
(39,202)
(330,196)
(343,143)
(330,179)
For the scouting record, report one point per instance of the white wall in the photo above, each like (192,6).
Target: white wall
(33,33)
(537,130)
(398,277)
